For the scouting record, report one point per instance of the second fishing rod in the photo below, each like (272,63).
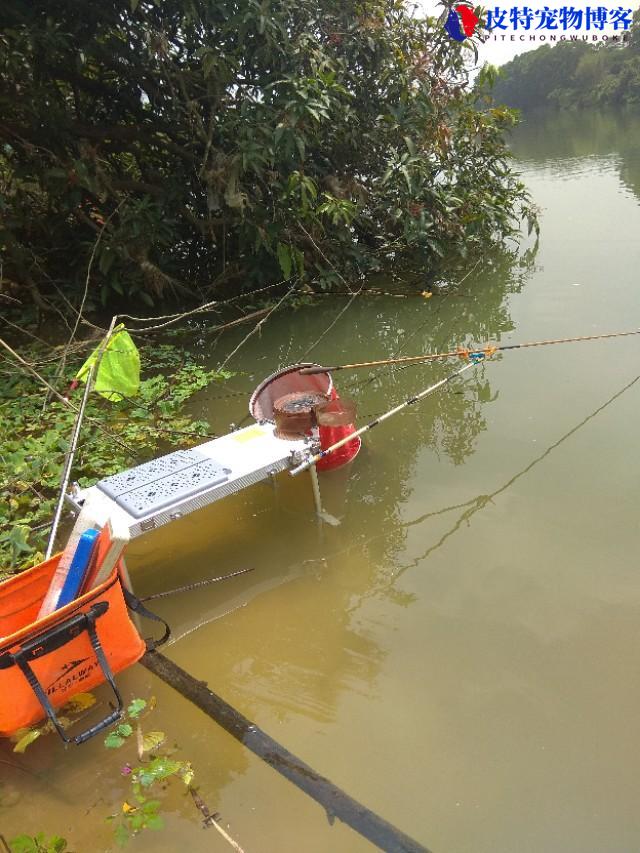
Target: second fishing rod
(475,359)
(464,352)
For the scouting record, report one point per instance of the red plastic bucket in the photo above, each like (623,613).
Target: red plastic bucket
(336,421)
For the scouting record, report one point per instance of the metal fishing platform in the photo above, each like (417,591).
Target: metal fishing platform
(167,488)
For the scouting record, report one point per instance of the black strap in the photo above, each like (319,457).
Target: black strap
(50,640)
(61,634)
(134,604)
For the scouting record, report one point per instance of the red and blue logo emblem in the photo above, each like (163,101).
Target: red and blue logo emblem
(461,22)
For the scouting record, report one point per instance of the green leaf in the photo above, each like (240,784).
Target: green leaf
(158,769)
(136,707)
(27,739)
(117,737)
(17,541)
(151,807)
(23,844)
(121,835)
(410,145)
(284,259)
(38,844)
(298,257)
(152,740)
(113,741)
(107,257)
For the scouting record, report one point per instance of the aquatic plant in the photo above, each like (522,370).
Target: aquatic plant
(156,765)
(38,843)
(139,811)
(34,438)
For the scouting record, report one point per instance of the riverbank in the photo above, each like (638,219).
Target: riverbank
(458,654)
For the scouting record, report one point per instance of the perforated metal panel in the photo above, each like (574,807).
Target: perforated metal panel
(141,475)
(163,482)
(168,488)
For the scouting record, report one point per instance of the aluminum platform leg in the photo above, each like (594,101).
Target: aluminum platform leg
(317,499)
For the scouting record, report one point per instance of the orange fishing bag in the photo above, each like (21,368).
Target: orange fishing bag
(44,663)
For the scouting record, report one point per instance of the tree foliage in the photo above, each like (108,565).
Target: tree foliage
(574,74)
(191,144)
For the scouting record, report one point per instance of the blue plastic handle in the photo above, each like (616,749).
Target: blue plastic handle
(78,568)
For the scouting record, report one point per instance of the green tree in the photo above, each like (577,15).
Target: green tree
(192,144)
(574,74)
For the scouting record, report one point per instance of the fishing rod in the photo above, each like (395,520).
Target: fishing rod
(462,352)
(68,464)
(475,359)
(191,586)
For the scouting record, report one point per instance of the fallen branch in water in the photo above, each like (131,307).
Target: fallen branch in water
(336,802)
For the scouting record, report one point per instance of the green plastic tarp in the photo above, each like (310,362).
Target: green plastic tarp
(119,368)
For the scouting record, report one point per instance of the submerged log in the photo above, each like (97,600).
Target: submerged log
(336,802)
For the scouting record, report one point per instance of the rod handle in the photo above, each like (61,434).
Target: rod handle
(311,371)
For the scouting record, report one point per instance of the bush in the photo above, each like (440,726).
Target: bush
(191,145)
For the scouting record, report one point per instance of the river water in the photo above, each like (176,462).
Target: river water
(460,653)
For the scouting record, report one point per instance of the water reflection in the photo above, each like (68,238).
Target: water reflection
(448,423)
(459,652)
(582,142)
(479,502)
(276,667)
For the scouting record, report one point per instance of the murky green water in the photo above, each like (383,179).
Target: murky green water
(460,654)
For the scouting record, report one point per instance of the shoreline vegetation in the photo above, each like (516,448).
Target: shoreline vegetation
(175,158)
(167,159)
(574,74)
(184,151)
(35,436)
